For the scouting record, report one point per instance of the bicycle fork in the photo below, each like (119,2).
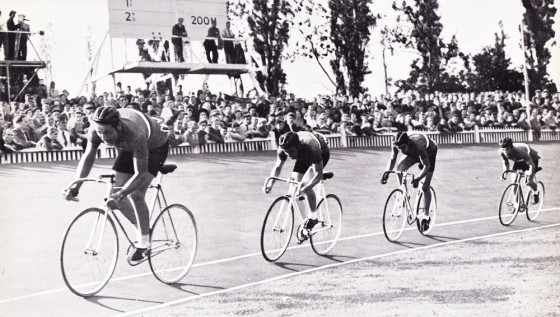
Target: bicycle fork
(88,249)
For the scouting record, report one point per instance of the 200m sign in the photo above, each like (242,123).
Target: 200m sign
(202,20)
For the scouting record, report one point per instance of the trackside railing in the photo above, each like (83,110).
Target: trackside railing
(342,140)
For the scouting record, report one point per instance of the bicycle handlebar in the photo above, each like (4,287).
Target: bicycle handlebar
(402,173)
(285,180)
(99,179)
(521,173)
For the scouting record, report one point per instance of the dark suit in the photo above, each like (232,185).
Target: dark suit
(178,30)
(10,49)
(20,138)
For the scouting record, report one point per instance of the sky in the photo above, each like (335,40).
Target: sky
(68,22)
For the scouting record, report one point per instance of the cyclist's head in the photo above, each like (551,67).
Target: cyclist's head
(288,140)
(400,139)
(106,115)
(107,121)
(506,143)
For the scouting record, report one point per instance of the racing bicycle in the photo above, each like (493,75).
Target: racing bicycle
(278,224)
(399,211)
(90,248)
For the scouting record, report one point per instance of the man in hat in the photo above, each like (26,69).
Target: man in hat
(10,49)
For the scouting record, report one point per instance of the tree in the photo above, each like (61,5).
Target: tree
(350,32)
(269,24)
(538,20)
(492,68)
(428,71)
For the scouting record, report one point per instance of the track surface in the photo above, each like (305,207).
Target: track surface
(223,191)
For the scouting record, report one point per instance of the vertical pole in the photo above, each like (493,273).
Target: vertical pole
(8,81)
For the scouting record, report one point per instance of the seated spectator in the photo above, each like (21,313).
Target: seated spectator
(78,136)
(523,123)
(173,136)
(455,125)
(202,132)
(549,118)
(191,134)
(9,145)
(214,133)
(49,141)
(234,133)
(64,137)
(442,126)
(21,138)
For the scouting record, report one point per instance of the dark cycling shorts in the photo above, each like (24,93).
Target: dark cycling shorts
(432,158)
(156,157)
(524,166)
(302,166)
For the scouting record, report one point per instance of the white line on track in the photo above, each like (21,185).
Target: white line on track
(128,277)
(281,277)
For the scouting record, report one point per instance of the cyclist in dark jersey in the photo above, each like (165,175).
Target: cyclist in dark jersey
(525,159)
(417,148)
(311,152)
(143,149)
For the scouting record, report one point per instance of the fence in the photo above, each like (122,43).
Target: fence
(479,135)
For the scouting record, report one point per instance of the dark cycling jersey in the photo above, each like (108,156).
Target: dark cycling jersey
(419,145)
(522,155)
(312,150)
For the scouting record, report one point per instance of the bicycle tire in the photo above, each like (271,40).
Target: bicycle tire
(533,213)
(325,234)
(509,204)
(81,245)
(395,210)
(432,214)
(277,229)
(173,244)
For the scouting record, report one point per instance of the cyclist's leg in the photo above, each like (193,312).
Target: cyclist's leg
(124,205)
(138,198)
(405,163)
(310,173)
(427,193)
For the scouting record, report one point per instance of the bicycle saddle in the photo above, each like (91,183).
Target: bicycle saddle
(167,168)
(328,175)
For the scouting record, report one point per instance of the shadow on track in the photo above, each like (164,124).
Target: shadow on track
(97,300)
(183,287)
(286,265)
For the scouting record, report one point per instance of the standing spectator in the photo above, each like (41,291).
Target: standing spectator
(22,38)
(228,44)
(53,92)
(210,44)
(10,49)
(4,148)
(49,141)
(63,134)
(2,43)
(179,32)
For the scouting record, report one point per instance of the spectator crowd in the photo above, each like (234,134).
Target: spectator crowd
(53,120)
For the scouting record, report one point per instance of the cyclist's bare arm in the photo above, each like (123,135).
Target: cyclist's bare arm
(393,159)
(274,172)
(317,177)
(141,176)
(505,165)
(86,162)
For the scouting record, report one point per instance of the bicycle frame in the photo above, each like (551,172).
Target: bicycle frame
(403,185)
(158,198)
(520,200)
(320,193)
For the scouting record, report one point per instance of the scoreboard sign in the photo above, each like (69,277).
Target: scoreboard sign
(155,18)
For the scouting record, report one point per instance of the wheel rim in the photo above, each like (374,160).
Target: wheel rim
(277,229)
(509,205)
(173,243)
(394,215)
(533,210)
(88,262)
(326,233)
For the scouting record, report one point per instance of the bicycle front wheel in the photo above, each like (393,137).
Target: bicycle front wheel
(327,231)
(277,229)
(394,215)
(509,205)
(425,230)
(173,241)
(89,252)
(533,210)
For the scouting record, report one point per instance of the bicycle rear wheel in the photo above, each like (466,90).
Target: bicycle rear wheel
(394,215)
(533,210)
(277,229)
(173,244)
(432,214)
(89,251)
(509,205)
(326,232)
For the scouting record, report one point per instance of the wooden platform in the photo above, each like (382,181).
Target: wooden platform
(182,68)
(28,64)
